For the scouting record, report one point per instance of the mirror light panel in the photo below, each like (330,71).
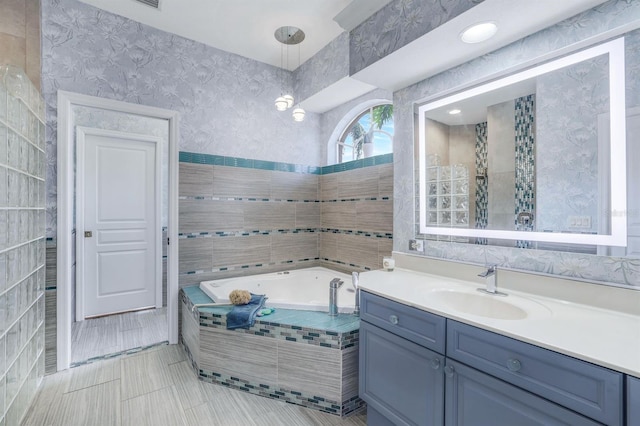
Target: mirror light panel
(618,190)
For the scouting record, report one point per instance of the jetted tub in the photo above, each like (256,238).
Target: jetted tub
(304,289)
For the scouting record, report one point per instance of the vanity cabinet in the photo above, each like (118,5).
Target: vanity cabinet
(417,368)
(585,388)
(401,362)
(401,380)
(633,401)
(475,398)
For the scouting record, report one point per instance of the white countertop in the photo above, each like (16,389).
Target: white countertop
(594,334)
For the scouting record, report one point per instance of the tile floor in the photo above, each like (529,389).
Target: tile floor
(158,387)
(117,333)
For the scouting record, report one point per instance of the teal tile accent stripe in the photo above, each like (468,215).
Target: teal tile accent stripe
(219,160)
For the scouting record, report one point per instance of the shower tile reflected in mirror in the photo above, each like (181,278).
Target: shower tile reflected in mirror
(107,336)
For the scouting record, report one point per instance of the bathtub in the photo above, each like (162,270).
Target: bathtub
(304,289)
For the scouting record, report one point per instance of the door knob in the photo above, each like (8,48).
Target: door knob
(88,234)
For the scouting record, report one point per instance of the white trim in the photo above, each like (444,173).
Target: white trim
(65,212)
(81,133)
(618,236)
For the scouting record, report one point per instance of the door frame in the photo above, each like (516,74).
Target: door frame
(81,133)
(65,178)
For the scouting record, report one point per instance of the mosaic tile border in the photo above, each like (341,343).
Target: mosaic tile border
(341,409)
(275,330)
(247,233)
(186,235)
(282,200)
(118,354)
(219,160)
(257,265)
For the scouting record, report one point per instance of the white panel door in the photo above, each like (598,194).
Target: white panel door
(118,230)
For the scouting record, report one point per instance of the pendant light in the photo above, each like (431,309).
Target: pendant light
(287,36)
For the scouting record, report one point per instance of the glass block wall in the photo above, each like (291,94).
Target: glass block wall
(22,243)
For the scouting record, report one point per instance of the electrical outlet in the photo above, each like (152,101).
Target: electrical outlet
(416,245)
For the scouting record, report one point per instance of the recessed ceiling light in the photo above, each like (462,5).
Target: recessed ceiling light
(455,111)
(479,32)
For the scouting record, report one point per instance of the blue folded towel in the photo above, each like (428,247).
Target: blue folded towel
(244,316)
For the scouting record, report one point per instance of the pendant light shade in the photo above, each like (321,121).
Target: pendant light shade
(298,114)
(289,100)
(281,103)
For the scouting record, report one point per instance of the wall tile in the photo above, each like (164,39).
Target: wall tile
(294,186)
(196,180)
(13,19)
(210,216)
(359,183)
(329,245)
(220,350)
(32,34)
(269,216)
(329,187)
(249,250)
(340,215)
(385,182)
(307,215)
(311,369)
(374,216)
(358,250)
(349,373)
(294,246)
(13,50)
(195,254)
(241,182)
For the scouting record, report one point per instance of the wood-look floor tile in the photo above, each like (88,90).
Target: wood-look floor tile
(96,405)
(45,408)
(94,374)
(159,408)
(191,391)
(143,373)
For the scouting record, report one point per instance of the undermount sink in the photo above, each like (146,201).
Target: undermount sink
(487,305)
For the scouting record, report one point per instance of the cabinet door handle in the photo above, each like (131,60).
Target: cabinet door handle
(449,370)
(435,363)
(393,319)
(514,365)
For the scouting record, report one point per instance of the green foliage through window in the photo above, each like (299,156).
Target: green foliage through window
(370,133)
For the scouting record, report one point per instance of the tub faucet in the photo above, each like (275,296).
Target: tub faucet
(334,285)
(355,282)
(491,278)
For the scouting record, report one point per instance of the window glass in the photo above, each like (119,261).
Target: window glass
(369,134)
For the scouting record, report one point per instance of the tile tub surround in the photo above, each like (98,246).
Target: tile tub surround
(241,216)
(301,357)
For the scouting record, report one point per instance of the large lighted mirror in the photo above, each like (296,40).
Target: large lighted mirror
(535,157)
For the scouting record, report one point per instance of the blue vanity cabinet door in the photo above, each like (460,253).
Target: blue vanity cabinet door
(477,399)
(423,328)
(585,388)
(402,381)
(633,401)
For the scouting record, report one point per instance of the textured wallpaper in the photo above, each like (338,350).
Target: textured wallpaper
(602,19)
(225,100)
(398,24)
(569,103)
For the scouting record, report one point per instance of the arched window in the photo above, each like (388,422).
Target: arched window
(369,134)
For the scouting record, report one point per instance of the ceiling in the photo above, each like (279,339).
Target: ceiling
(246,28)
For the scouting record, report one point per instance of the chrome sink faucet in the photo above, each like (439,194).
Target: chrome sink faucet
(491,278)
